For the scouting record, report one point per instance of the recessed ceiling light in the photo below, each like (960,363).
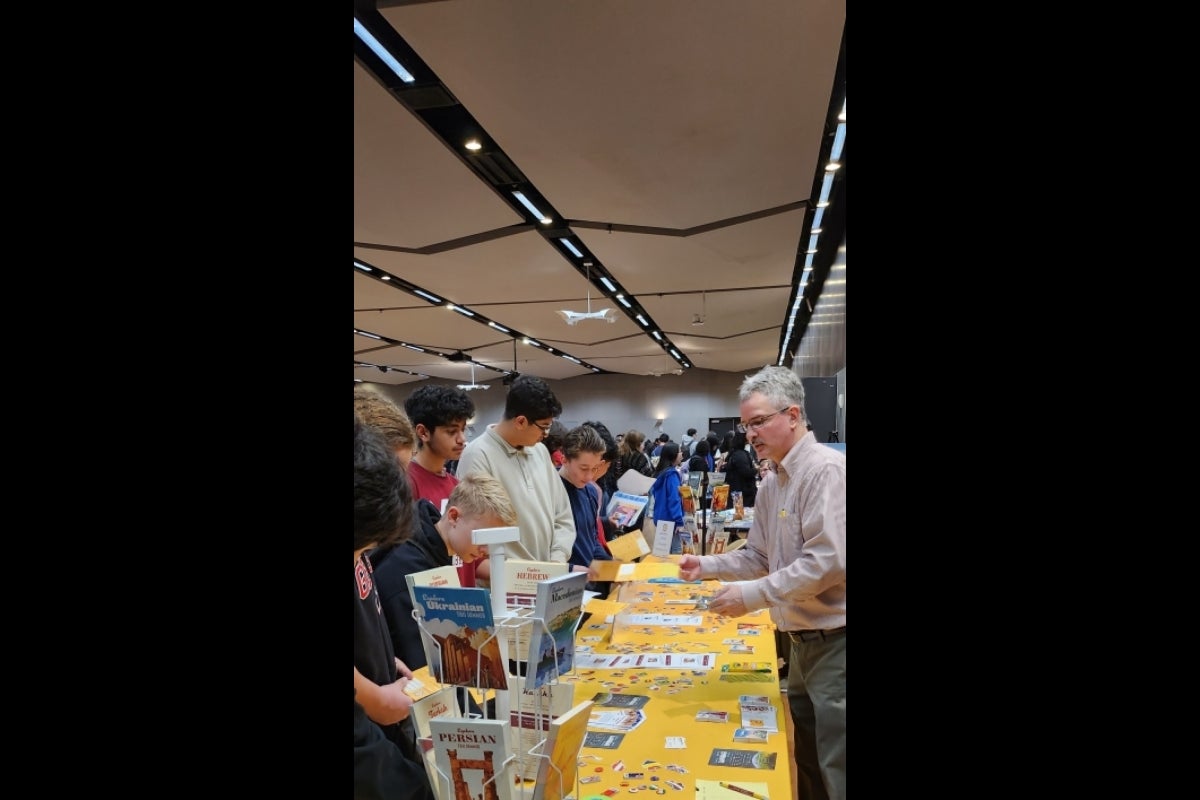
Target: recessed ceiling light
(474,145)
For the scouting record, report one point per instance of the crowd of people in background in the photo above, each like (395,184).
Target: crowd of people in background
(421,489)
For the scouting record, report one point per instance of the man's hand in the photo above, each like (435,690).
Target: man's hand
(689,568)
(728,602)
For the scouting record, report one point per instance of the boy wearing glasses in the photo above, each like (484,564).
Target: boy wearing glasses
(510,452)
(794,563)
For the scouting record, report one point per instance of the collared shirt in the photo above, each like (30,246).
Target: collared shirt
(547,528)
(794,558)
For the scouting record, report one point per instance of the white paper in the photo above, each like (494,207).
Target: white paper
(662,537)
(634,482)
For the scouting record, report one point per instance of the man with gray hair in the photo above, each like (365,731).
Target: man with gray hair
(794,563)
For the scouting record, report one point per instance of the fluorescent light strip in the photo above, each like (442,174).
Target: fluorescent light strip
(675,353)
(363,267)
(808,261)
(533,342)
(369,335)
(621,299)
(532,208)
(500,328)
(414,347)
(817,218)
(428,296)
(642,320)
(812,242)
(370,41)
(610,287)
(826,185)
(656,335)
(842,116)
(567,244)
(838,142)
(462,311)
(570,358)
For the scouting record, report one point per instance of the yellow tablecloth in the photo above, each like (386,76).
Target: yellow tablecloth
(678,695)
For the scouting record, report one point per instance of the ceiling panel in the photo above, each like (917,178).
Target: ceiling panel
(652,118)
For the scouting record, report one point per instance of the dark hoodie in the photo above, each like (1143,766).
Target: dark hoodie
(423,550)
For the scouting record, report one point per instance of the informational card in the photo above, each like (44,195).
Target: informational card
(619,700)
(603,740)
(732,757)
(663,531)
(617,720)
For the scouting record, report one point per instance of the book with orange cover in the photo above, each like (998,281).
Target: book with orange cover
(559,771)
(688,499)
(720,498)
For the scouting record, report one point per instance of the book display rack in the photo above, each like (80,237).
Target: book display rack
(518,715)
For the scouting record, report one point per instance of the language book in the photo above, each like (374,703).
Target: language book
(750,734)
(522,576)
(720,497)
(531,718)
(617,720)
(754,700)
(759,717)
(688,498)
(717,541)
(459,636)
(470,755)
(559,605)
(438,576)
(627,507)
(442,703)
(556,778)
(520,595)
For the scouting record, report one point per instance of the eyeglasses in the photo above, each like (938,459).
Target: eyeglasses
(755,424)
(545,431)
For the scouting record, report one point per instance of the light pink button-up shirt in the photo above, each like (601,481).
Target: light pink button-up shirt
(795,553)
